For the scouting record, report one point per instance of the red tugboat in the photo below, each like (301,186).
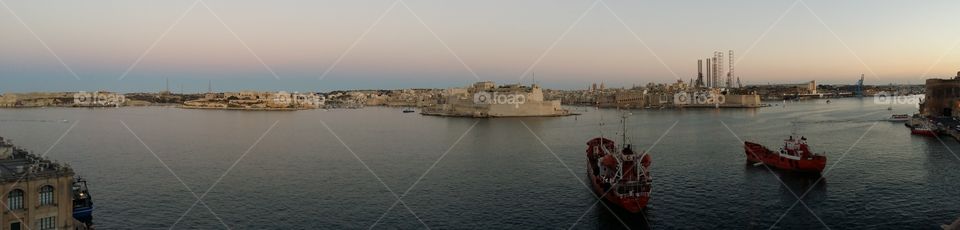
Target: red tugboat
(794,156)
(619,175)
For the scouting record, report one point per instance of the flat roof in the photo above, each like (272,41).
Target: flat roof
(23,164)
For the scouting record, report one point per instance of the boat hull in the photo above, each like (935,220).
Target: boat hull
(923,132)
(84,214)
(633,201)
(758,153)
(630,204)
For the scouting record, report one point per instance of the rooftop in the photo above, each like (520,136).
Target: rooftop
(16,163)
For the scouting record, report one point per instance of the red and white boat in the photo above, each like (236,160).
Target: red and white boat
(795,155)
(619,174)
(923,131)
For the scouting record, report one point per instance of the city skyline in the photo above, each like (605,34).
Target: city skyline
(135,46)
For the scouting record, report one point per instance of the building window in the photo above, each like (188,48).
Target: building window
(48,223)
(46,195)
(15,199)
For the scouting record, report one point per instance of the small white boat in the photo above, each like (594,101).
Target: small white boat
(899,118)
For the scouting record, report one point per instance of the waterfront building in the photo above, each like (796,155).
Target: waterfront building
(630,99)
(37,193)
(486,99)
(783,91)
(283,99)
(257,100)
(942,97)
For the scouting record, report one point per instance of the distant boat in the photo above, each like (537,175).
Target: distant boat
(828,101)
(408,110)
(899,118)
(794,156)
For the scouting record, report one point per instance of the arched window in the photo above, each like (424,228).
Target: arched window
(46,195)
(15,199)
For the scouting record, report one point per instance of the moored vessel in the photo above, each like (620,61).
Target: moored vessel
(619,174)
(923,130)
(899,118)
(82,202)
(795,155)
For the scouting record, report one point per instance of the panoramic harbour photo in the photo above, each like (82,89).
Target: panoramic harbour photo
(425,114)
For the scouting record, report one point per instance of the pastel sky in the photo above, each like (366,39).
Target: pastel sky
(890,41)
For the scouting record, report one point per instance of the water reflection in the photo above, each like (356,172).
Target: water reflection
(794,184)
(611,218)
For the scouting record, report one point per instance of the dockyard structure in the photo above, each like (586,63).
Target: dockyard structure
(942,97)
(486,99)
(37,193)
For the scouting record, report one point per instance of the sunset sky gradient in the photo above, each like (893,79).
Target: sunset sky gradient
(897,41)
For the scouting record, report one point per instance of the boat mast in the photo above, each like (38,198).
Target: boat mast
(600,127)
(623,124)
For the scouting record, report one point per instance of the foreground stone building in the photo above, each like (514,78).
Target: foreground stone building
(37,193)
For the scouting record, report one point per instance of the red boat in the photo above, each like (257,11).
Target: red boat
(922,130)
(795,155)
(619,177)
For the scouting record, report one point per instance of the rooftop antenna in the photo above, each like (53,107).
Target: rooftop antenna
(534,77)
(168,85)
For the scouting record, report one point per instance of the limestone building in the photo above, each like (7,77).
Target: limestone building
(486,99)
(37,193)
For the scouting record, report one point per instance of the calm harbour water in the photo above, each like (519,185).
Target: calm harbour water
(499,176)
